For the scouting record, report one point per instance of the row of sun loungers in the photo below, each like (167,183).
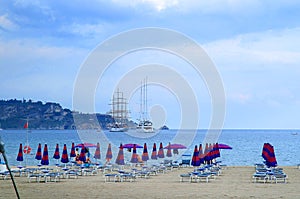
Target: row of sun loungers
(263,174)
(203,173)
(120,175)
(110,172)
(49,174)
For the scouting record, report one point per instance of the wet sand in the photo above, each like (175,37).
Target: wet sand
(234,182)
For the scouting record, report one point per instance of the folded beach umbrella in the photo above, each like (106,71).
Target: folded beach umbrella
(145,156)
(82,154)
(45,158)
(210,155)
(56,152)
(154,153)
(269,155)
(38,155)
(169,151)
(206,153)
(217,150)
(64,155)
(160,153)
(108,153)
(201,155)
(195,158)
(134,158)
(20,153)
(120,157)
(97,154)
(73,154)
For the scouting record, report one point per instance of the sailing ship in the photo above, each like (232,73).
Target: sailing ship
(144,125)
(119,113)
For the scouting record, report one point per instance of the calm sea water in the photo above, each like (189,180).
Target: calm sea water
(247,144)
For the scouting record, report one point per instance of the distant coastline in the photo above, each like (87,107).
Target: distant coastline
(49,115)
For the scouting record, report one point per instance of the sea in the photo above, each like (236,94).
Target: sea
(246,144)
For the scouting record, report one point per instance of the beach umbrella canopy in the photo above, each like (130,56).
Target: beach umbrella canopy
(169,151)
(201,155)
(224,146)
(64,155)
(175,146)
(108,153)
(73,154)
(82,154)
(195,158)
(154,153)
(134,158)
(38,155)
(130,146)
(56,152)
(97,154)
(160,153)
(20,153)
(86,144)
(120,157)
(45,158)
(145,156)
(269,155)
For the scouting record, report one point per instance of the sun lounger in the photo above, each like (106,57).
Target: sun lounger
(111,176)
(4,173)
(35,176)
(280,177)
(185,175)
(127,177)
(197,177)
(71,173)
(204,176)
(143,174)
(260,176)
(46,177)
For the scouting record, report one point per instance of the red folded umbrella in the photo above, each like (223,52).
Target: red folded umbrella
(154,153)
(97,154)
(160,153)
(145,155)
(108,153)
(120,157)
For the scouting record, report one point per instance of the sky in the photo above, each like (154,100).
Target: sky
(253,44)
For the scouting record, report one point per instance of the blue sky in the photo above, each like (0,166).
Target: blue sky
(254,45)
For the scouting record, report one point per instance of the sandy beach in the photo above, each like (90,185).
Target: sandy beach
(234,182)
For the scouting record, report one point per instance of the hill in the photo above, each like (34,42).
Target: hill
(14,113)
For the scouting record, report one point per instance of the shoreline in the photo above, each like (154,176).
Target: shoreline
(234,182)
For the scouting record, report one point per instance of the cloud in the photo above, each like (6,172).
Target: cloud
(260,71)
(257,51)
(84,30)
(6,23)
(158,5)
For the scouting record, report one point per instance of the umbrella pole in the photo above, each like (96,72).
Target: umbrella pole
(8,168)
